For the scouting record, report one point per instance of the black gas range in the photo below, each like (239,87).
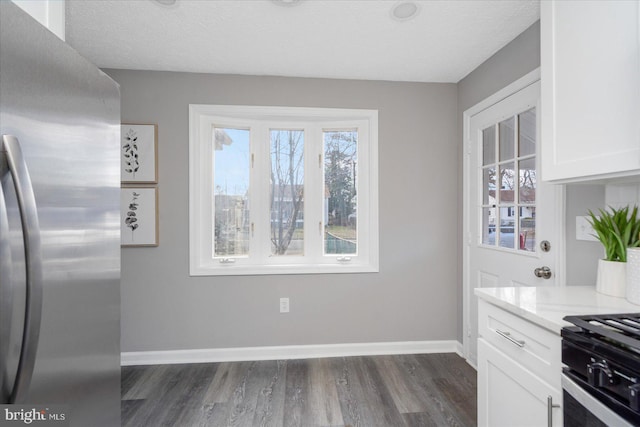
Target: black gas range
(602,355)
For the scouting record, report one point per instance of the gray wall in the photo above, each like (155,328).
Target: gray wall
(418,293)
(415,295)
(513,61)
(519,57)
(582,256)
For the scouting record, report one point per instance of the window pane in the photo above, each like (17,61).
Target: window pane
(527,132)
(507,139)
(489,186)
(489,145)
(507,186)
(527,171)
(231,191)
(507,224)
(527,228)
(340,192)
(287,195)
(489,226)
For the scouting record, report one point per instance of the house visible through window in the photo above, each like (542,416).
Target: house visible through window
(282,190)
(509,181)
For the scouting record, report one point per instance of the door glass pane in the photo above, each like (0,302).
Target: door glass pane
(527,172)
(340,191)
(506,183)
(507,225)
(507,138)
(527,228)
(527,132)
(231,190)
(489,186)
(287,196)
(488,226)
(509,214)
(489,145)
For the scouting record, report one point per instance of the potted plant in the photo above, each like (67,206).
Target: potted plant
(617,230)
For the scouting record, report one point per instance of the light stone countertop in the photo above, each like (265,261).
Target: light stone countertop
(546,306)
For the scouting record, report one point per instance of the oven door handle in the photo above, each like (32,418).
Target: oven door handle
(550,407)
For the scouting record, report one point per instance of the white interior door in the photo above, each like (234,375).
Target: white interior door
(509,212)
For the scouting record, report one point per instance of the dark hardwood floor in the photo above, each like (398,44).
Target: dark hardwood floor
(372,391)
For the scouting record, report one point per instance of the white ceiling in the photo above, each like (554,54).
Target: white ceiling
(315,38)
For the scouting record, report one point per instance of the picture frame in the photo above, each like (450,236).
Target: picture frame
(139,216)
(138,153)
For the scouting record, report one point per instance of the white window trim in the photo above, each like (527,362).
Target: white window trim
(201,121)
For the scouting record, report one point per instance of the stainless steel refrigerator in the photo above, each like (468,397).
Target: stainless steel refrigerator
(59,226)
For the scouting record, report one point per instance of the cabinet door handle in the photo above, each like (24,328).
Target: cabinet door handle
(508,336)
(550,406)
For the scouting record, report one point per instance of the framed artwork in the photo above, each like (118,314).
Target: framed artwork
(138,154)
(139,216)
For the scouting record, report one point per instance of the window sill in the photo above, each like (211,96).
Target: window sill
(260,270)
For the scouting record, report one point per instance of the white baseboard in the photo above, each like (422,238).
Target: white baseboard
(286,352)
(459,349)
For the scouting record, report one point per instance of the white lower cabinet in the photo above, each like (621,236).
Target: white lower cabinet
(510,395)
(519,371)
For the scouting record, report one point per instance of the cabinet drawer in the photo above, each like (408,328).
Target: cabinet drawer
(509,395)
(534,347)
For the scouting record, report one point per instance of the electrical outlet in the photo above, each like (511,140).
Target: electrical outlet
(584,231)
(284,305)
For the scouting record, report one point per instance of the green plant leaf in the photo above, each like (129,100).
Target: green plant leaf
(617,229)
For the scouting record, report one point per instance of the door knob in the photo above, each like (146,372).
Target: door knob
(543,272)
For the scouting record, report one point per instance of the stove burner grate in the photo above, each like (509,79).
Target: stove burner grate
(622,329)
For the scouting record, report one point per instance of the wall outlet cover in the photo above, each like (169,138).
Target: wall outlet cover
(584,231)
(284,305)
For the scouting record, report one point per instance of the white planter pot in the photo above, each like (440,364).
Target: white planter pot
(612,278)
(633,275)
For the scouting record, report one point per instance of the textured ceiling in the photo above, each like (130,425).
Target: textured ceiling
(315,38)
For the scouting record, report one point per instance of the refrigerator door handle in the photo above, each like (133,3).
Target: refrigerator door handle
(33,259)
(6,290)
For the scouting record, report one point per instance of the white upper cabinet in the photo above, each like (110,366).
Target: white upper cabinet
(590,65)
(50,13)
